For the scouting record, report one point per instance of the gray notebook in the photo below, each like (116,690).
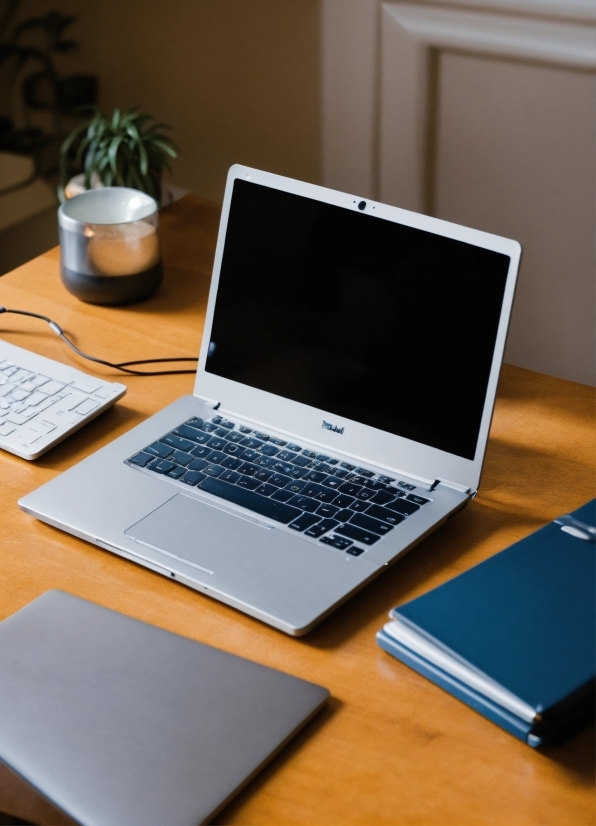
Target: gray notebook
(119,722)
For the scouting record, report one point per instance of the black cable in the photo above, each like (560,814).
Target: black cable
(123,365)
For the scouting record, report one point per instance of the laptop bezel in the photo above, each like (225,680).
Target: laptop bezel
(358,441)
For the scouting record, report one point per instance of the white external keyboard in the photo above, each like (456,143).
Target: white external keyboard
(43,401)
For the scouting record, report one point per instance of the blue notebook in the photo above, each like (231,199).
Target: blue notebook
(514,637)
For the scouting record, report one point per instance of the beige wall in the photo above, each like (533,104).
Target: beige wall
(238,80)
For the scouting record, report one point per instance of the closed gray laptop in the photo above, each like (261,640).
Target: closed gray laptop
(119,722)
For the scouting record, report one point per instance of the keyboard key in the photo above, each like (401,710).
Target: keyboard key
(141,459)
(231,463)
(363,472)
(356,479)
(349,488)
(215,443)
(337,542)
(347,466)
(202,451)
(312,489)
(250,455)
(309,454)
(265,461)
(295,487)
(177,442)
(51,388)
(266,490)
(365,494)
(303,522)
(86,406)
(354,550)
(283,467)
(227,424)
(263,436)
(419,500)
(176,472)
(192,477)
(279,511)
(209,427)
(234,436)
(181,458)
(295,448)
(386,480)
(279,479)
(159,449)
(344,501)
(232,449)
(285,456)
(197,436)
(385,514)
(230,476)
(315,476)
(332,482)
(213,470)
(246,469)
(277,442)
(282,495)
(372,485)
(403,506)
(381,497)
(160,466)
(263,474)
(217,419)
(322,467)
(248,482)
(358,505)
(343,515)
(297,472)
(16,418)
(360,535)
(198,464)
(248,441)
(19,394)
(321,527)
(331,510)
(370,524)
(216,457)
(243,429)
(195,422)
(322,458)
(301,461)
(37,381)
(406,486)
(326,495)
(304,503)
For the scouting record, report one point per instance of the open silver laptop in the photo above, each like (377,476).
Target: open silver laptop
(342,404)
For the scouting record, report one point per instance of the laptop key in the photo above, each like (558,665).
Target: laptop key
(192,477)
(315,476)
(326,495)
(386,480)
(343,515)
(279,479)
(161,466)
(213,470)
(230,476)
(265,489)
(363,472)
(243,429)
(233,450)
(304,503)
(297,472)
(337,542)
(403,506)
(198,464)
(277,442)
(201,451)
(141,459)
(269,450)
(363,520)
(177,442)
(313,489)
(301,461)
(195,422)
(215,443)
(354,550)
(332,482)
(406,486)
(349,488)
(265,461)
(216,457)
(231,463)
(234,436)
(309,454)
(278,511)
(303,522)
(263,474)
(360,535)
(181,458)
(385,514)
(250,455)
(176,472)
(282,495)
(295,487)
(248,482)
(246,469)
(358,505)
(186,432)
(344,501)
(347,466)
(365,494)
(419,500)
(295,448)
(321,527)
(159,449)
(381,497)
(263,436)
(285,456)
(331,510)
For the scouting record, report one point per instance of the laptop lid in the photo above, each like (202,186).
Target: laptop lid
(118,722)
(369,330)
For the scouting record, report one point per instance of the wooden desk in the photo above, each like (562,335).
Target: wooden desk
(391,746)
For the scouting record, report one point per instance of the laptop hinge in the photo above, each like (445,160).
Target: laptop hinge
(213,403)
(453,486)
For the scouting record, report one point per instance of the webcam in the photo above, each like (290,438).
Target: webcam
(362,205)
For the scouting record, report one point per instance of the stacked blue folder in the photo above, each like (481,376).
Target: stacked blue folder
(514,637)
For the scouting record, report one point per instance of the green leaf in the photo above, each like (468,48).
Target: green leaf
(113,151)
(115,118)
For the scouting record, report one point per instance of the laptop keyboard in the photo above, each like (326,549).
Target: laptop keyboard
(337,503)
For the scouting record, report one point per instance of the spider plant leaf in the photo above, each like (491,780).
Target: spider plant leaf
(113,150)
(116,119)
(143,159)
(169,150)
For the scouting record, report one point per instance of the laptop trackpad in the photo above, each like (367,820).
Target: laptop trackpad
(193,531)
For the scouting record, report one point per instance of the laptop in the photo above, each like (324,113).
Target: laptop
(341,409)
(115,721)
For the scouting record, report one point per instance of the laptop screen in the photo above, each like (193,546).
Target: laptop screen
(361,317)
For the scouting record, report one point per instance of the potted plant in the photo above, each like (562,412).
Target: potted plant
(126,149)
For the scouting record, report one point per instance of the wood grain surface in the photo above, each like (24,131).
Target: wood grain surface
(391,747)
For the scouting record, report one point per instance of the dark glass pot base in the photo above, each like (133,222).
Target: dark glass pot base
(113,289)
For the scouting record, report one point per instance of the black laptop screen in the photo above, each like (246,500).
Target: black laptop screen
(387,325)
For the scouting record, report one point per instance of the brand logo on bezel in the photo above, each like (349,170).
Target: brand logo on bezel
(333,427)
